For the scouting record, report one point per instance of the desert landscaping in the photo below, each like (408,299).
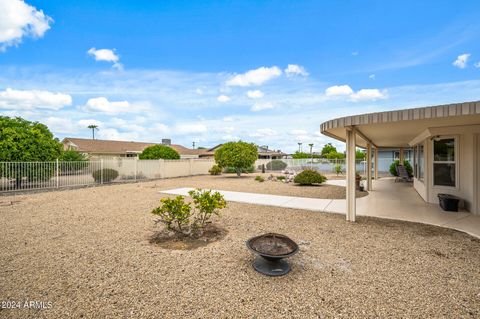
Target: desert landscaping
(88,251)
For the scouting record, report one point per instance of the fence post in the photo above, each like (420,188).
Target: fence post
(101,171)
(57,172)
(136,159)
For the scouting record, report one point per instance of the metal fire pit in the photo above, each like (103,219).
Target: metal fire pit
(271,248)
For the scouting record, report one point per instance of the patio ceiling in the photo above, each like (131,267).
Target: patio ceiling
(398,128)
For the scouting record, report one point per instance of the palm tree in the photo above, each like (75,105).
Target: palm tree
(93,127)
(299,147)
(311,146)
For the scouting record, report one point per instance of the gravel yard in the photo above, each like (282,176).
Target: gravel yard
(87,252)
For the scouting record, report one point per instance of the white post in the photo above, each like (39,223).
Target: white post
(369,167)
(351,209)
(135,165)
(101,171)
(57,172)
(401,156)
(375,163)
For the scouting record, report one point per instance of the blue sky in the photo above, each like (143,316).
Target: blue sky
(269,72)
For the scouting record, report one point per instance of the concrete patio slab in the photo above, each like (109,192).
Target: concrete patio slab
(388,200)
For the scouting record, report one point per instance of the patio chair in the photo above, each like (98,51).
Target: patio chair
(402,174)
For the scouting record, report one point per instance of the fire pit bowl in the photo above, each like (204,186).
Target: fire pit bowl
(271,248)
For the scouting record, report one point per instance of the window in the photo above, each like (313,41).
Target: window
(444,162)
(419,162)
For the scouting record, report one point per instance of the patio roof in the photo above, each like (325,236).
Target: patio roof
(398,128)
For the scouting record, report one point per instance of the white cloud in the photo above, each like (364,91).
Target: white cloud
(368,94)
(103,105)
(260,106)
(255,94)
(223,98)
(255,77)
(33,99)
(87,122)
(199,91)
(192,128)
(228,119)
(114,134)
(338,90)
(298,132)
(106,55)
(371,76)
(355,53)
(461,61)
(60,124)
(477,65)
(263,132)
(19,19)
(295,69)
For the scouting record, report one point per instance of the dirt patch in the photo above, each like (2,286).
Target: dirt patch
(178,241)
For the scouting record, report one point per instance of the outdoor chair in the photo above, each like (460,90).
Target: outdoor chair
(402,174)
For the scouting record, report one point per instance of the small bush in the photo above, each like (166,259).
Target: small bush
(408,167)
(309,177)
(281,178)
(338,169)
(179,216)
(159,152)
(174,213)
(259,179)
(215,170)
(276,165)
(106,174)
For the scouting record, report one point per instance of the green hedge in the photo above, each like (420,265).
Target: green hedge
(107,176)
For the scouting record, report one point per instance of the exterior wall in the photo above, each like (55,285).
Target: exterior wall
(467,170)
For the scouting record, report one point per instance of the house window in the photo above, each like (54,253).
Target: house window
(444,162)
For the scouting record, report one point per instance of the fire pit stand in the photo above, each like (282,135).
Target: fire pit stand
(271,248)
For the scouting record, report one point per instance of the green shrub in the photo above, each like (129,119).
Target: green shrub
(239,155)
(309,177)
(159,152)
(276,165)
(338,169)
(281,178)
(174,213)
(179,217)
(215,170)
(408,167)
(232,170)
(259,178)
(207,203)
(107,176)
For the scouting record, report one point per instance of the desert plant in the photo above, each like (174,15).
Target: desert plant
(276,165)
(159,152)
(309,177)
(207,203)
(408,167)
(338,169)
(259,178)
(239,155)
(174,213)
(215,170)
(105,175)
(281,178)
(250,169)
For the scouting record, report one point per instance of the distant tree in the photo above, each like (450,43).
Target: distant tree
(239,155)
(94,128)
(299,155)
(72,156)
(71,161)
(159,152)
(335,155)
(25,141)
(327,149)
(360,154)
(201,148)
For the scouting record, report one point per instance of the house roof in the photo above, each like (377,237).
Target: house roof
(399,128)
(261,151)
(121,147)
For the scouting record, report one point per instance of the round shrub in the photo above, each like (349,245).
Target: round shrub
(108,175)
(239,155)
(309,177)
(159,152)
(276,165)
(215,170)
(408,167)
(260,179)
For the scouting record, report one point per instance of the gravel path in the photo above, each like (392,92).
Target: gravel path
(87,251)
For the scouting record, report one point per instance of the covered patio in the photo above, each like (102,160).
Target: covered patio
(446,142)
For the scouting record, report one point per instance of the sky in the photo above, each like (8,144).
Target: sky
(268,72)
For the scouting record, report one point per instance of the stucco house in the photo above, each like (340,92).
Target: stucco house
(107,149)
(445,140)
(263,152)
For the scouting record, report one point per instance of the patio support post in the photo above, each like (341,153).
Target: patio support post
(375,163)
(351,174)
(401,156)
(369,167)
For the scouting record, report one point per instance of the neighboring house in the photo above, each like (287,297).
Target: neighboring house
(387,156)
(446,148)
(109,149)
(263,152)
